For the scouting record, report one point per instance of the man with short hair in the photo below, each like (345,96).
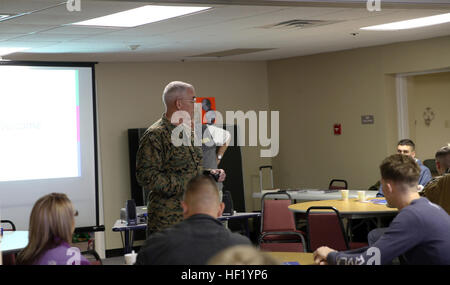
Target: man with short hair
(162,168)
(420,232)
(438,189)
(199,237)
(407,147)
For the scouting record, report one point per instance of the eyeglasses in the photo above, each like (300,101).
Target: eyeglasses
(193,100)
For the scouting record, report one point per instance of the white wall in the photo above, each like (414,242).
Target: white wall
(314,92)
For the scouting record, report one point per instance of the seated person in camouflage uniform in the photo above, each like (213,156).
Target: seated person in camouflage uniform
(199,237)
(164,169)
(438,189)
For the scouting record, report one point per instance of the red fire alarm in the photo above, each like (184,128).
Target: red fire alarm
(337,129)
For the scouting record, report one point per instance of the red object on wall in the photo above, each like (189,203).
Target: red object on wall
(208,104)
(337,129)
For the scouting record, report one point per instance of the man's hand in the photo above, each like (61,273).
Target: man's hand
(221,172)
(320,255)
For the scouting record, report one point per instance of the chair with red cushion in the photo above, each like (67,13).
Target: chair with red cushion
(278,231)
(332,185)
(8,259)
(325,228)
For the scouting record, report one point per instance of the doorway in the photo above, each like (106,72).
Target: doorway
(423,105)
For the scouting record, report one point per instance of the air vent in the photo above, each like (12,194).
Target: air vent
(299,24)
(231,52)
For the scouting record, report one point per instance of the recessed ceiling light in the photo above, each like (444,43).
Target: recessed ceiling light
(9,50)
(411,24)
(142,15)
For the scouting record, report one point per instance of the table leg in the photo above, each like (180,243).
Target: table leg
(247,231)
(127,248)
(349,230)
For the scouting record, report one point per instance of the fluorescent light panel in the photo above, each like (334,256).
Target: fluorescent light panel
(142,15)
(411,24)
(9,50)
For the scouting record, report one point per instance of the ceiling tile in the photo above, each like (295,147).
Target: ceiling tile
(21,28)
(223,27)
(81,30)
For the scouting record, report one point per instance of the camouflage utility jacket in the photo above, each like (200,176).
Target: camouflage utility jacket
(164,169)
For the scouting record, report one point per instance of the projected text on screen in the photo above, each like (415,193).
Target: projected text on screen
(39,123)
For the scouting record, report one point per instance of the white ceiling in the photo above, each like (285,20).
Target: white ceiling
(224,27)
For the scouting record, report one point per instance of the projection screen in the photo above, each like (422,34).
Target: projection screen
(48,139)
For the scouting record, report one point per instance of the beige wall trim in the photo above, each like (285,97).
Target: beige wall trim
(424,72)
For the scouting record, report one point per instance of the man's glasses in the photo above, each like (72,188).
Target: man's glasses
(193,100)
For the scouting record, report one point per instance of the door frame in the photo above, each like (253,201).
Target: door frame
(402,99)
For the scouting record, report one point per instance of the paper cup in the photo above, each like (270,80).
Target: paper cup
(130,258)
(362,196)
(344,194)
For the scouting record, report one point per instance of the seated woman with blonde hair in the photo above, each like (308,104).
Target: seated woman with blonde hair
(243,255)
(52,223)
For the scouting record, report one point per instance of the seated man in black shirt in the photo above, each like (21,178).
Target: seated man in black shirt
(199,237)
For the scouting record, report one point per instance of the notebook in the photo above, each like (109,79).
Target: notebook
(378,201)
(291,263)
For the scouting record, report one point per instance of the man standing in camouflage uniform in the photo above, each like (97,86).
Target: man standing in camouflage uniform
(164,169)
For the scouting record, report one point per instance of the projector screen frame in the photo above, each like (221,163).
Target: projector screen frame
(98,227)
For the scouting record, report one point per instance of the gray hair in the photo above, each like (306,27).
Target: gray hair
(173,90)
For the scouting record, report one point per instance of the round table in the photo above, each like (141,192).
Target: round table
(351,208)
(303,258)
